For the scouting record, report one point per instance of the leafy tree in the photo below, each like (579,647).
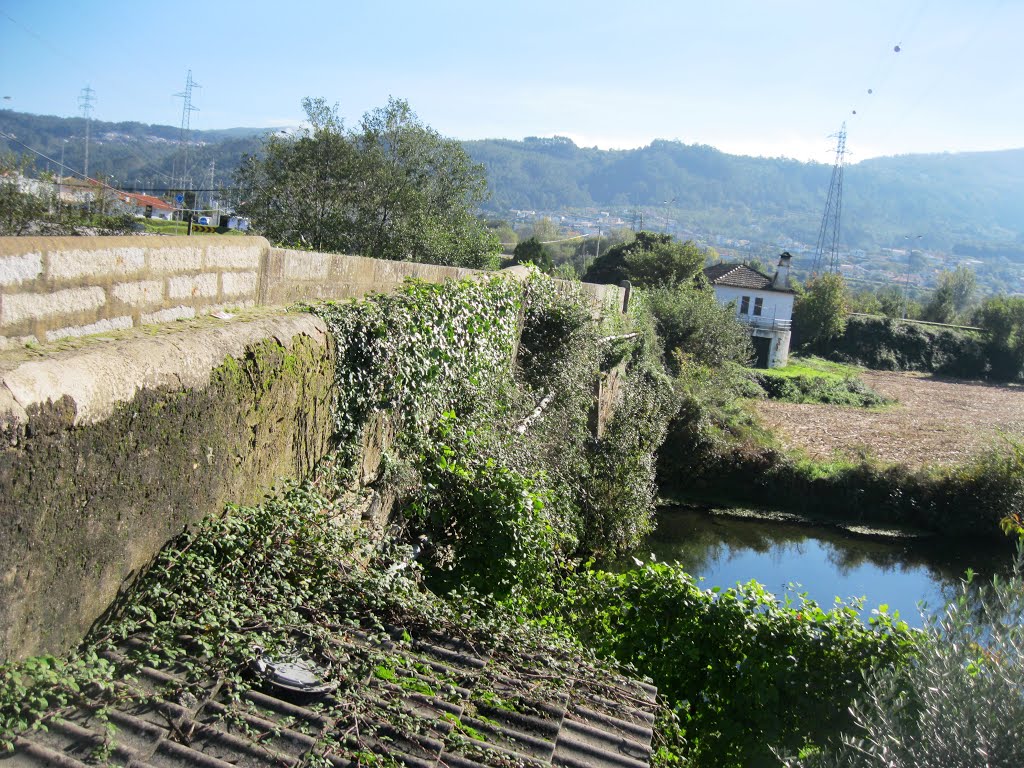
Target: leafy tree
(651,259)
(820,311)
(18,210)
(689,318)
(1003,318)
(953,297)
(891,301)
(391,189)
(534,252)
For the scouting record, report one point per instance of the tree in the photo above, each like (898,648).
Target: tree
(689,318)
(18,210)
(953,297)
(534,252)
(651,259)
(1003,318)
(391,189)
(820,311)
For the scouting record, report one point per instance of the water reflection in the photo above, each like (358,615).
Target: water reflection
(824,562)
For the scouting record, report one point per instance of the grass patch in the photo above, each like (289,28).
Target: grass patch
(813,380)
(162,227)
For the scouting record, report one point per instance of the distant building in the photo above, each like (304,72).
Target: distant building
(146,205)
(764,304)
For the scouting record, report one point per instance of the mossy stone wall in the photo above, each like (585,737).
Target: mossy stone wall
(83,508)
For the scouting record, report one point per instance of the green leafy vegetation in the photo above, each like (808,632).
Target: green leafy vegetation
(391,189)
(957,701)
(891,345)
(813,380)
(820,311)
(748,675)
(716,451)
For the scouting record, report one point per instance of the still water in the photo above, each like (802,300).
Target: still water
(823,562)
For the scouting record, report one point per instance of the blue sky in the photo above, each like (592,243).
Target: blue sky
(758,77)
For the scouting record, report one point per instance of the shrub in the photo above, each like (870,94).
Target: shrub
(958,701)
(747,672)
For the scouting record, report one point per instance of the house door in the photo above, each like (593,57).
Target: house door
(762,349)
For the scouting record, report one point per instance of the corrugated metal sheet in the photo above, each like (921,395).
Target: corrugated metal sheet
(441,702)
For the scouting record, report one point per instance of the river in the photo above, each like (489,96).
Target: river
(824,562)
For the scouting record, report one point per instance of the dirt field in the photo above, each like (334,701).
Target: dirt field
(938,422)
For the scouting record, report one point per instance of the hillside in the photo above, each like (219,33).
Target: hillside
(955,199)
(966,203)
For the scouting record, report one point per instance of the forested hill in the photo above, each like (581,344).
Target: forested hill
(967,201)
(955,199)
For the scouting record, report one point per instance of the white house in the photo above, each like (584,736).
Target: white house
(763,303)
(145,205)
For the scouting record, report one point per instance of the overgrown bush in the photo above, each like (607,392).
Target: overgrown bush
(891,345)
(958,701)
(748,674)
(808,385)
(690,318)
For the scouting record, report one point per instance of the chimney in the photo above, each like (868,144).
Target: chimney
(781,279)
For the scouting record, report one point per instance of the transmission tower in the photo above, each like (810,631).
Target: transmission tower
(828,235)
(85,100)
(185,136)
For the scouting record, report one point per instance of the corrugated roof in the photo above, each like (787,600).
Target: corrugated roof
(740,276)
(444,704)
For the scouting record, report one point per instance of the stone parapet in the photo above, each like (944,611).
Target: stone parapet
(57,287)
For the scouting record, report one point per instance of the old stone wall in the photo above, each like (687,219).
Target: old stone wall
(55,287)
(110,446)
(87,500)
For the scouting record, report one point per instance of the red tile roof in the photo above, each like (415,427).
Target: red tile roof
(741,276)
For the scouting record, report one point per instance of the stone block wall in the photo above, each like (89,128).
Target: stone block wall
(55,287)
(305,275)
(94,481)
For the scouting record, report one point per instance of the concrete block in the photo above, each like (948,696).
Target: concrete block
(15,270)
(239,283)
(168,315)
(71,264)
(139,294)
(192,286)
(233,256)
(19,307)
(174,260)
(302,265)
(101,326)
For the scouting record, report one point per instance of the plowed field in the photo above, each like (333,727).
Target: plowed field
(935,421)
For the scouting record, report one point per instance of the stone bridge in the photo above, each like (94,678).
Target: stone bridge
(144,383)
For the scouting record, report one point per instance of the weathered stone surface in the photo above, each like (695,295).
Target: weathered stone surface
(192,286)
(15,270)
(178,259)
(139,294)
(168,315)
(69,264)
(20,307)
(100,326)
(85,504)
(233,256)
(239,283)
(97,379)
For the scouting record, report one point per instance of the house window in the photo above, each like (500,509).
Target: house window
(745,305)
(758,304)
